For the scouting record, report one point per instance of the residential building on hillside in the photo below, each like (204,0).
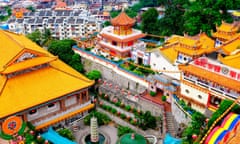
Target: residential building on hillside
(38,87)
(62,23)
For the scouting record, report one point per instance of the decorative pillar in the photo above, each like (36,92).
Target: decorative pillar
(24,117)
(80,98)
(62,105)
(87,96)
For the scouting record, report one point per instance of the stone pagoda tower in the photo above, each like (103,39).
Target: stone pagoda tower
(94,130)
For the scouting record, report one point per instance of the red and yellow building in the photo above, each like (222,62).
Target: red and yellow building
(206,82)
(120,38)
(38,87)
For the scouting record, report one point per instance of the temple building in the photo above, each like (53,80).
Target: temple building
(206,82)
(38,87)
(189,48)
(180,50)
(120,39)
(225,32)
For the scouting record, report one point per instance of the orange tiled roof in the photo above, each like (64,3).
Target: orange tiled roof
(123,40)
(214,77)
(123,19)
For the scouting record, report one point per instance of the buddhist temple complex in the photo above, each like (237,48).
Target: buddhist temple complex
(225,32)
(206,82)
(38,87)
(119,39)
(183,49)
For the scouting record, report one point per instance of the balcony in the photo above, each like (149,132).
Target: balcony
(60,114)
(210,87)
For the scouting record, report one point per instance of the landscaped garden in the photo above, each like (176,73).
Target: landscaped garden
(134,116)
(139,70)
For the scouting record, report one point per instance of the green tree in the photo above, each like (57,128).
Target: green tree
(31,8)
(63,49)
(113,14)
(149,21)
(36,37)
(198,121)
(66,133)
(102,119)
(94,75)
(123,130)
(106,23)
(76,63)
(46,37)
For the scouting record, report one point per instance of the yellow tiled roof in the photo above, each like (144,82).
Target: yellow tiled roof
(232,60)
(35,87)
(231,46)
(27,64)
(187,44)
(224,37)
(227,27)
(169,53)
(30,89)
(12,44)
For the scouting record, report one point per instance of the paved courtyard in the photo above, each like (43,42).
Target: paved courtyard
(82,130)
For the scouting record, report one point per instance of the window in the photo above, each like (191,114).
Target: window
(33,112)
(187,91)
(51,105)
(199,96)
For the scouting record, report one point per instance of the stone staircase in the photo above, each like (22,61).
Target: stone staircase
(171,124)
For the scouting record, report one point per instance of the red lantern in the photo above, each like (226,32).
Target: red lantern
(194,136)
(206,120)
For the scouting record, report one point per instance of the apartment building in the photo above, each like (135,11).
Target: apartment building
(62,23)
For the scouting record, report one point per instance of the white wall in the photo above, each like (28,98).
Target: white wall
(158,62)
(43,111)
(195,94)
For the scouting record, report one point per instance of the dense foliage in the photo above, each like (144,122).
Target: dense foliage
(194,16)
(94,75)
(66,133)
(63,49)
(9,13)
(102,119)
(198,121)
(42,39)
(123,130)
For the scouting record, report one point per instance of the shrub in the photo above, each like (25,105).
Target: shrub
(114,111)
(164,98)
(123,116)
(123,130)
(66,133)
(101,118)
(152,93)
(118,103)
(128,107)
